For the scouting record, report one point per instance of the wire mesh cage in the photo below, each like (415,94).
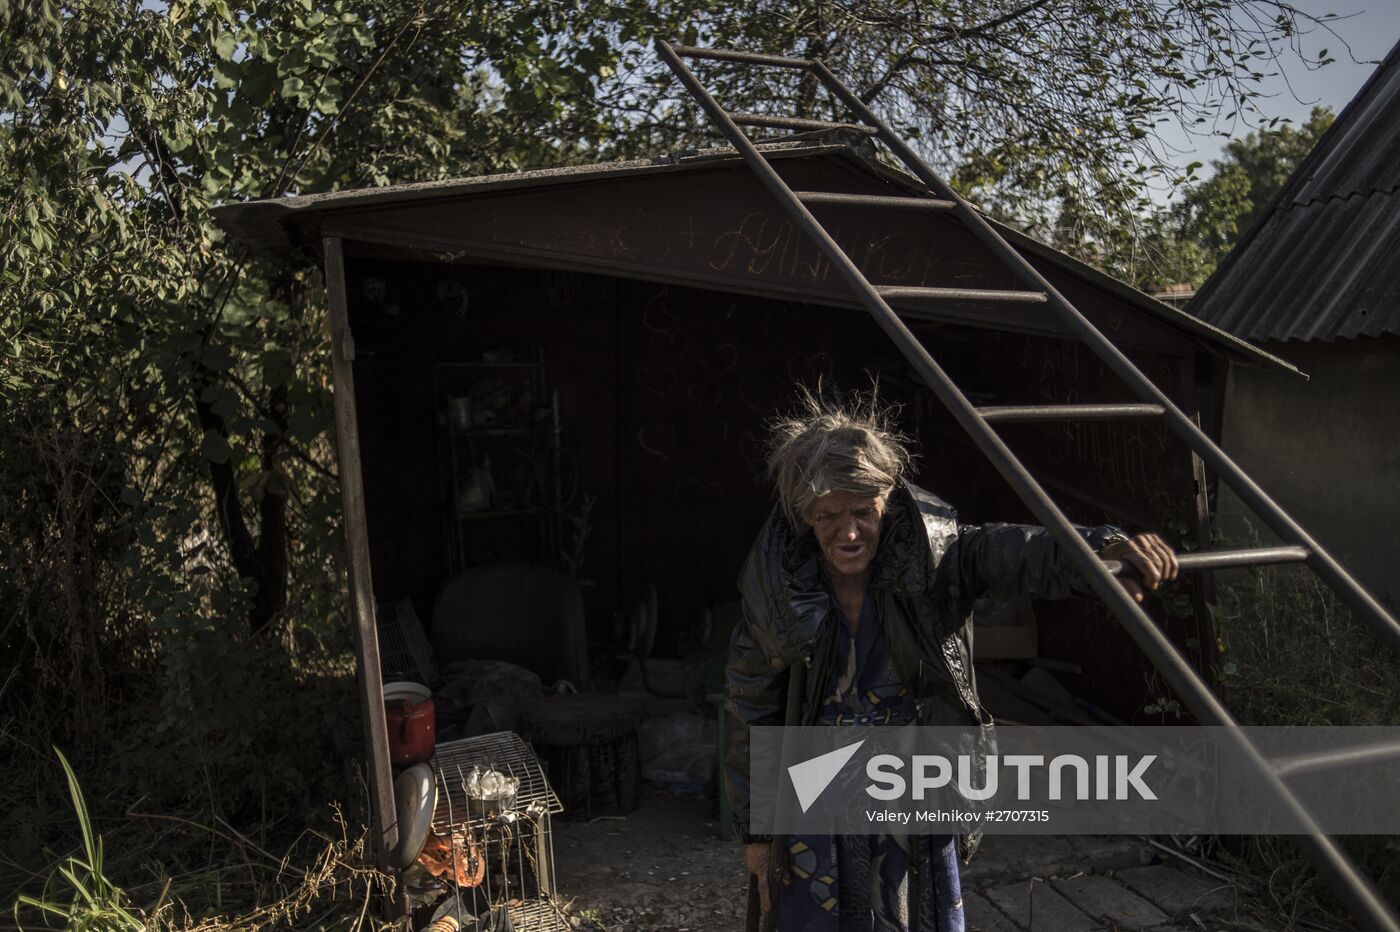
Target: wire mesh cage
(404,652)
(493,815)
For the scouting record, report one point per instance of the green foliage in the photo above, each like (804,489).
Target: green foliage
(195,374)
(1047,115)
(1290,653)
(230,730)
(165,398)
(96,904)
(1280,883)
(169,563)
(321,883)
(1186,242)
(1220,210)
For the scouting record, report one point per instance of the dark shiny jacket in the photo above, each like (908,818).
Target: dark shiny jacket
(928,572)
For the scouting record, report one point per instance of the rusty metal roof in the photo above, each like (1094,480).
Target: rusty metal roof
(1323,261)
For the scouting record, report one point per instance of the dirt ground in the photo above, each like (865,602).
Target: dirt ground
(662,868)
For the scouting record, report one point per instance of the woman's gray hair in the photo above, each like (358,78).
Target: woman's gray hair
(824,446)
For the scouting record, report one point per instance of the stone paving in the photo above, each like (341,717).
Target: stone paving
(662,869)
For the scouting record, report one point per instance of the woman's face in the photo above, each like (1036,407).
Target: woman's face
(848,530)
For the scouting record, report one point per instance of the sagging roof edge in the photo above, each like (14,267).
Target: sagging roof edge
(262,224)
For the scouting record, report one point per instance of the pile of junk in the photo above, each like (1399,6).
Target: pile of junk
(487,751)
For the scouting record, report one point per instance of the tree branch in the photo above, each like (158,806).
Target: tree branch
(242,548)
(908,56)
(993,24)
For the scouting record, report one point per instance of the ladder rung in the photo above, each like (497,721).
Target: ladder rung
(1224,559)
(1335,759)
(874,200)
(1068,412)
(782,122)
(748,58)
(908,293)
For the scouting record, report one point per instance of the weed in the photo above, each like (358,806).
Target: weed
(96,903)
(322,882)
(1291,654)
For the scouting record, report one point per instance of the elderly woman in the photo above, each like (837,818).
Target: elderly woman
(870,581)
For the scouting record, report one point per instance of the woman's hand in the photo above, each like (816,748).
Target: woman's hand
(1150,555)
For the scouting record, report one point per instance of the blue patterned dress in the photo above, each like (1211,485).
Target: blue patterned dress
(862,883)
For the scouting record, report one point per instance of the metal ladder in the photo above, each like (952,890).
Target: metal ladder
(1336,868)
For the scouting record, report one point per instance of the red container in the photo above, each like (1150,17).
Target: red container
(412,732)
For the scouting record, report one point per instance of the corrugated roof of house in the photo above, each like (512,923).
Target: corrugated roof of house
(1323,261)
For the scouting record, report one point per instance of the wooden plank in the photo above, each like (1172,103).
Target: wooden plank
(352,495)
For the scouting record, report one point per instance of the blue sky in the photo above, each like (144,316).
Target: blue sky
(1371,27)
